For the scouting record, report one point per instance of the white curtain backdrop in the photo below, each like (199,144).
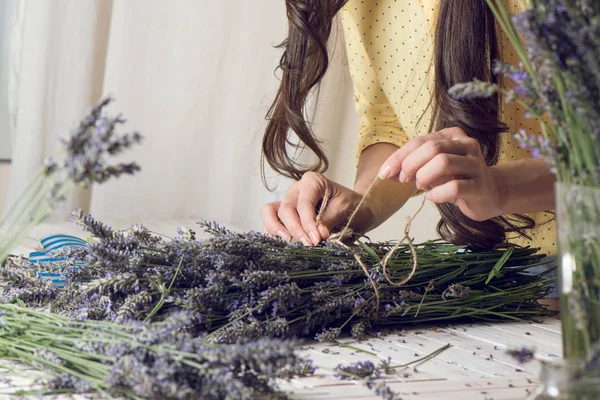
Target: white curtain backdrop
(195,77)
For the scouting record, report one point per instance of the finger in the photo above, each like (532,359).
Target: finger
(307,204)
(393,165)
(288,215)
(453,191)
(447,165)
(271,222)
(324,230)
(441,181)
(427,152)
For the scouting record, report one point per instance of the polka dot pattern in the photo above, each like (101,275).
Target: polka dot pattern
(389,45)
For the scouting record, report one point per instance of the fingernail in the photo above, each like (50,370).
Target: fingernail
(305,241)
(314,238)
(419,187)
(402,178)
(385,172)
(283,236)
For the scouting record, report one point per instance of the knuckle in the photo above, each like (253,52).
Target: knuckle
(434,147)
(419,141)
(313,180)
(472,145)
(456,131)
(283,211)
(311,176)
(444,160)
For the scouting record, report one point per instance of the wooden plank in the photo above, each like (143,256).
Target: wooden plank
(496,389)
(509,340)
(478,362)
(548,324)
(527,332)
(336,355)
(402,353)
(487,351)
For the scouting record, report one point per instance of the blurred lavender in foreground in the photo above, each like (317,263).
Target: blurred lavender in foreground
(143,361)
(84,158)
(556,82)
(88,149)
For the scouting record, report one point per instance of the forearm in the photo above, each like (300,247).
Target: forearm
(525,186)
(387,196)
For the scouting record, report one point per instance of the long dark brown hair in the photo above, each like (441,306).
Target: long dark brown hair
(465,47)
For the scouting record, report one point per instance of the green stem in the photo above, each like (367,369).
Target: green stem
(164,294)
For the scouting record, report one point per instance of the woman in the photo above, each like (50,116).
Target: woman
(404,55)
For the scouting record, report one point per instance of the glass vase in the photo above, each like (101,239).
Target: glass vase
(566,380)
(578,227)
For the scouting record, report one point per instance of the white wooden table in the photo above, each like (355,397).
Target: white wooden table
(476,366)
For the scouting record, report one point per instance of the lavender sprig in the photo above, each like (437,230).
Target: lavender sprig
(84,158)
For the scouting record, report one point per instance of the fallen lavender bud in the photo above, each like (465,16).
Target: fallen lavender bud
(523,355)
(358,370)
(382,390)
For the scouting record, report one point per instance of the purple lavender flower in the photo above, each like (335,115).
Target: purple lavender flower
(90,145)
(358,370)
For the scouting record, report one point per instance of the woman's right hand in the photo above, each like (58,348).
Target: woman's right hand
(295,216)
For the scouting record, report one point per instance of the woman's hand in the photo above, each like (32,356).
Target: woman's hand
(295,216)
(450,166)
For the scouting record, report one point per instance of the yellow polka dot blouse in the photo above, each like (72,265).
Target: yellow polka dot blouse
(389,44)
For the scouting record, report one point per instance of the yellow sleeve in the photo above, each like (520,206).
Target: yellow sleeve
(378,121)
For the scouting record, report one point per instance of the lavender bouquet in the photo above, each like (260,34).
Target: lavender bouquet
(558,83)
(245,286)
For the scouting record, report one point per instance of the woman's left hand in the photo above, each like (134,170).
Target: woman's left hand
(450,166)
